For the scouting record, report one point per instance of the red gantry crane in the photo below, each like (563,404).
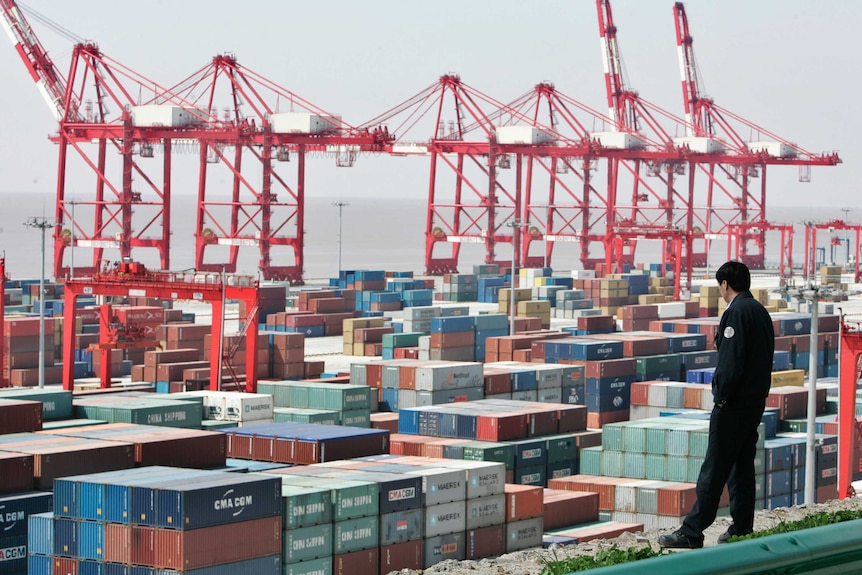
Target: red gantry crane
(470,199)
(265,133)
(132,279)
(713,133)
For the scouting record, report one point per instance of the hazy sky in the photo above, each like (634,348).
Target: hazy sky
(790,66)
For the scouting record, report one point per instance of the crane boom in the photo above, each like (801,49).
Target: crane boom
(618,96)
(48,79)
(696,116)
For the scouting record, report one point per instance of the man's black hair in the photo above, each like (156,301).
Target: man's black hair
(737,275)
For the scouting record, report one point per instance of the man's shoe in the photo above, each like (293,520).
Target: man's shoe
(679,540)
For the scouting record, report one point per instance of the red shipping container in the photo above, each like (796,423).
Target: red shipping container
(610,367)
(401,556)
(497,381)
(17,416)
(542,421)
(564,508)
(501,426)
(187,332)
(639,311)
(365,562)
(486,542)
(604,531)
(284,340)
(370,334)
(155,357)
(676,499)
(174,371)
(185,550)
(453,339)
(65,566)
(25,326)
(522,355)
(571,418)
(595,420)
(328,305)
(388,421)
(16,472)
(139,315)
(523,502)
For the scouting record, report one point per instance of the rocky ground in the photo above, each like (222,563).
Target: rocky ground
(531,562)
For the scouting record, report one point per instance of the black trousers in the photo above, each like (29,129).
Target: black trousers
(729,460)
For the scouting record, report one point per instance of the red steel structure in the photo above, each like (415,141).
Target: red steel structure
(257,142)
(132,279)
(469,199)
(716,133)
(850,371)
(738,234)
(808,267)
(131,206)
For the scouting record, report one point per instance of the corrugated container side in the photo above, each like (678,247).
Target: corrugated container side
(442,547)
(363,561)
(307,543)
(402,526)
(321,566)
(355,534)
(486,542)
(401,556)
(218,544)
(486,511)
(40,533)
(16,472)
(524,534)
(445,518)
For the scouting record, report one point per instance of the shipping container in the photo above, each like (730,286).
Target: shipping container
(442,547)
(301,544)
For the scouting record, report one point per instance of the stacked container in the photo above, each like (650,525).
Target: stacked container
(351,404)
(160,518)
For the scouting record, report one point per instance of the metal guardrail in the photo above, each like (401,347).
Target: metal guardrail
(834,549)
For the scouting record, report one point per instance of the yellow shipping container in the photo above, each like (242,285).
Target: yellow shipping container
(794,377)
(647,299)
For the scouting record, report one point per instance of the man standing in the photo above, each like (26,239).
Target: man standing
(745,342)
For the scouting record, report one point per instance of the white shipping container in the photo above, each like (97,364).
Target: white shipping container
(522,135)
(152,115)
(548,376)
(670,310)
(483,478)
(445,518)
(246,406)
(449,375)
(699,144)
(486,511)
(528,395)
(441,485)
(583,274)
(775,149)
(552,395)
(422,312)
(524,534)
(303,123)
(619,140)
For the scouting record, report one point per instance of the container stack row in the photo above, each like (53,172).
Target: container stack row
(159,519)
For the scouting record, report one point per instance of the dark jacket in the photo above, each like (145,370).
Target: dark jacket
(745,342)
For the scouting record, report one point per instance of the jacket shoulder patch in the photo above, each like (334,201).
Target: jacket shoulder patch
(728,332)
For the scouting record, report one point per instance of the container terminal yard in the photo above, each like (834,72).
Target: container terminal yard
(156,421)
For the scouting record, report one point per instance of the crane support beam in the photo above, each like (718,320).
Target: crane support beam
(195,287)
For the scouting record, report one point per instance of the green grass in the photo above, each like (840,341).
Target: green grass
(616,556)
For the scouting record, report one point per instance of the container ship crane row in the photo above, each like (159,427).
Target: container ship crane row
(656,168)
(101,110)
(127,206)
(729,162)
(133,279)
(474,189)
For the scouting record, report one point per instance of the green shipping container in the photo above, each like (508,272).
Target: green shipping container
(320,566)
(350,498)
(305,506)
(215,424)
(356,418)
(562,447)
(306,543)
(591,461)
(300,415)
(490,451)
(56,404)
(612,436)
(667,363)
(656,466)
(409,339)
(634,438)
(356,534)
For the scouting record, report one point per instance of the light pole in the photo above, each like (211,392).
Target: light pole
(41,224)
(340,205)
(516,226)
(847,255)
